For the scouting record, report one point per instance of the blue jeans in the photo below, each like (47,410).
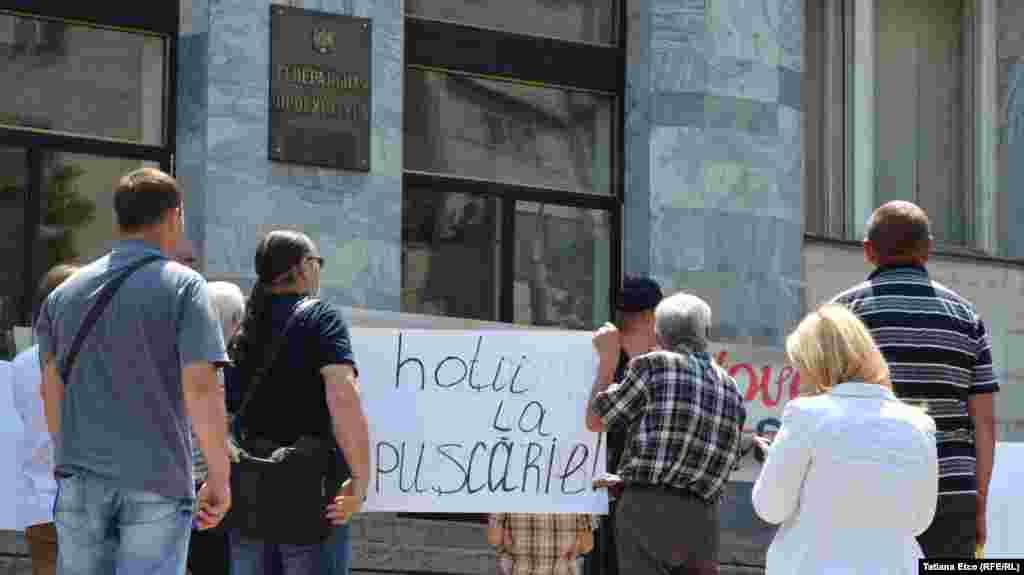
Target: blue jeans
(337,551)
(103,529)
(255,557)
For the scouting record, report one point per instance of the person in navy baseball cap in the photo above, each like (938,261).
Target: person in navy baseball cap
(634,336)
(639,294)
(637,300)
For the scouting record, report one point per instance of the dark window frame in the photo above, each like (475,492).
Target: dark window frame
(508,195)
(160,18)
(504,55)
(442,46)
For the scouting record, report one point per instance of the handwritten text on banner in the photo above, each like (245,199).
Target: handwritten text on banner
(479,421)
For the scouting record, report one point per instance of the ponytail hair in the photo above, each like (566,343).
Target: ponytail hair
(276,257)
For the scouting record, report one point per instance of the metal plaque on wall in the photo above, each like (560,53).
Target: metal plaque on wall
(319,88)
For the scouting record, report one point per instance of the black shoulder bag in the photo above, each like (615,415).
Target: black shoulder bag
(106,294)
(279,492)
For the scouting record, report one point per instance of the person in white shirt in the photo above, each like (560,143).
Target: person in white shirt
(36,486)
(852,474)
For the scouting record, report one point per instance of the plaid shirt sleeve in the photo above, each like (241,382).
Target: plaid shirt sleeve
(984,376)
(499,521)
(583,524)
(624,401)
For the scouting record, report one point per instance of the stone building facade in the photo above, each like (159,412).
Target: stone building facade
(522,160)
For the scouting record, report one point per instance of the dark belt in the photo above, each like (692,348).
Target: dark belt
(666,489)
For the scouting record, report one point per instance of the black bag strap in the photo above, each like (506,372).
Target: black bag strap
(257,378)
(106,294)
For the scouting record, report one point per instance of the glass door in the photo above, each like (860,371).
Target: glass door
(76,207)
(56,207)
(89,102)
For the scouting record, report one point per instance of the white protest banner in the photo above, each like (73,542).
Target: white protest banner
(761,373)
(479,421)
(10,434)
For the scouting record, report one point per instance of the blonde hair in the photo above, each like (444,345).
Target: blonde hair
(831,346)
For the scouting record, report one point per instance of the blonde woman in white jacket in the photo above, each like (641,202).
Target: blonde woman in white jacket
(852,474)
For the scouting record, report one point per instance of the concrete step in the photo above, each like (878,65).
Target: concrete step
(388,544)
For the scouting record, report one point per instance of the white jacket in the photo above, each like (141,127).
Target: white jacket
(852,476)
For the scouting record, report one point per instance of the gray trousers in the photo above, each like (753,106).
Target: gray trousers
(661,532)
(952,533)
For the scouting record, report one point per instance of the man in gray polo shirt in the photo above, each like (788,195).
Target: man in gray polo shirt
(120,423)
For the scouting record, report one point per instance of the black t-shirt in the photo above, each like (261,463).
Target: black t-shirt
(616,436)
(292,401)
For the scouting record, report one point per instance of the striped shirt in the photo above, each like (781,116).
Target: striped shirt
(939,354)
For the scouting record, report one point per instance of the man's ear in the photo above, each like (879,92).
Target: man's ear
(869,253)
(174,220)
(923,258)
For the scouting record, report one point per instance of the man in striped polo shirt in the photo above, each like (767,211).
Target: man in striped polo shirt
(939,357)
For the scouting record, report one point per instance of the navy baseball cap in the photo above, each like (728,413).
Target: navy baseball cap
(638,294)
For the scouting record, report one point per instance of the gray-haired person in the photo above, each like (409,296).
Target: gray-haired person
(208,550)
(229,305)
(685,416)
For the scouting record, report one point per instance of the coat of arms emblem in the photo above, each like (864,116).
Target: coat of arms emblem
(323,41)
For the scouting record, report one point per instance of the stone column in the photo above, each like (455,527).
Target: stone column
(714,156)
(714,176)
(236,194)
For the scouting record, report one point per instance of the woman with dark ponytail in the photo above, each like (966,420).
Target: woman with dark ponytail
(309,391)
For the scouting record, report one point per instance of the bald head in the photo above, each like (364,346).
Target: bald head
(898,232)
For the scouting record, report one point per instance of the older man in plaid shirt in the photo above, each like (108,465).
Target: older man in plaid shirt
(685,416)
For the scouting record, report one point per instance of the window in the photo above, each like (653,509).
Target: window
(81,79)
(897,95)
(76,206)
(573,20)
(562,265)
(508,132)
(451,252)
(512,186)
(88,102)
